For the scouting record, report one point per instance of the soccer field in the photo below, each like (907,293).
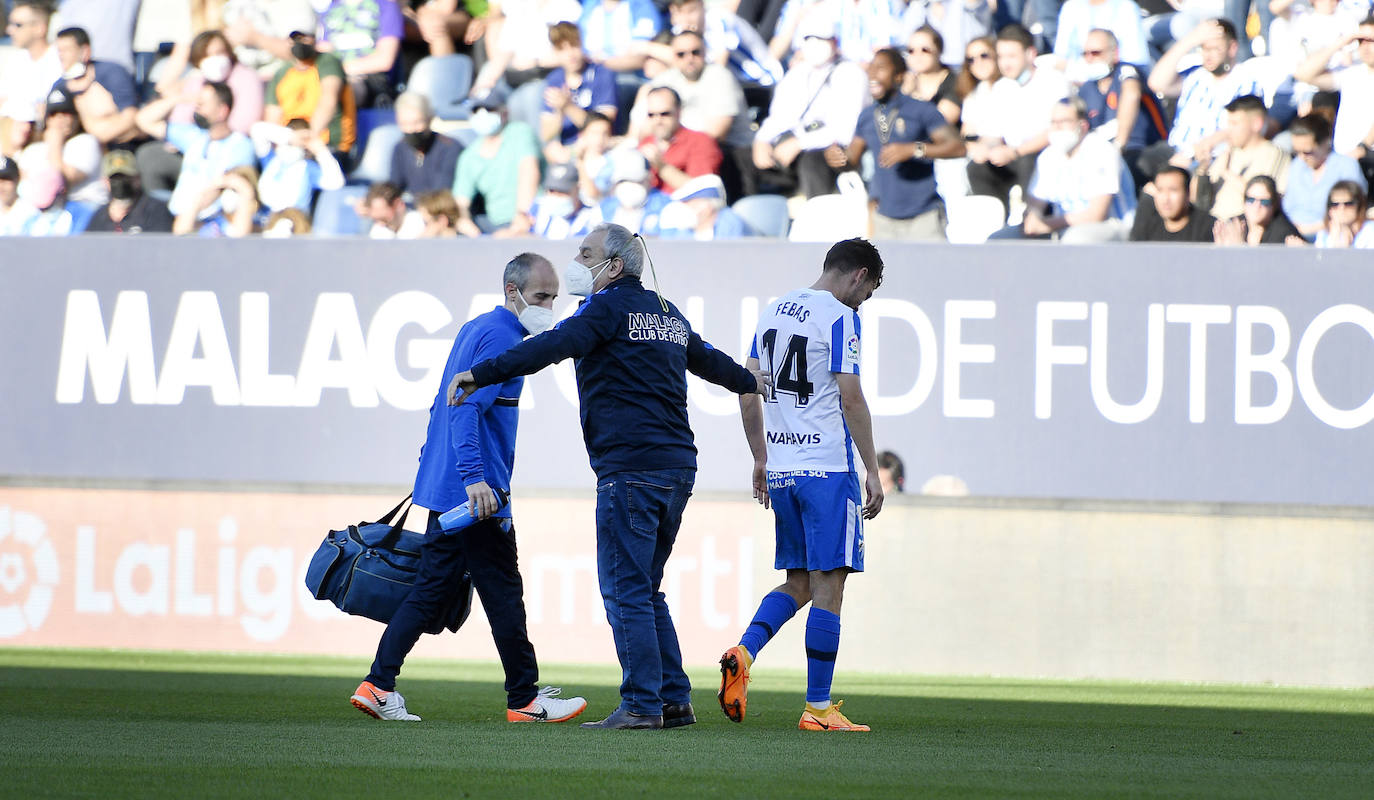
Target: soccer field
(130,724)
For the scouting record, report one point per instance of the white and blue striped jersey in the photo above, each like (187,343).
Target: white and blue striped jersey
(803,339)
(1202,102)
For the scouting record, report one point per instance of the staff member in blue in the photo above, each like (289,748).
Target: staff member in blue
(469,451)
(632,351)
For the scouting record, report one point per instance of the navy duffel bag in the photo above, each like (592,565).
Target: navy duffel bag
(369,568)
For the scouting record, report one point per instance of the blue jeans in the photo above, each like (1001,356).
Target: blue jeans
(637,519)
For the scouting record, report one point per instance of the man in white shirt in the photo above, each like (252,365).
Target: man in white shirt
(1354,134)
(28,74)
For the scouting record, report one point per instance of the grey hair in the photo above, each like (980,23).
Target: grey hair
(416,101)
(519,268)
(623,244)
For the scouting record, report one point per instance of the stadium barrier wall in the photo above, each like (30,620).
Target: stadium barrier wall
(970,587)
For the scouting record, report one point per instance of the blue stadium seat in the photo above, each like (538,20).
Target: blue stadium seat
(334,215)
(375,164)
(446,81)
(765,213)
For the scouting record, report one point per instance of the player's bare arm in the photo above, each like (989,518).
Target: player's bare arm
(860,422)
(751,414)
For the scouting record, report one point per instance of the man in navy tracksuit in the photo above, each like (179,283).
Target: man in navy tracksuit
(632,351)
(469,451)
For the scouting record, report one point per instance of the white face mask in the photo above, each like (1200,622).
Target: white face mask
(75,71)
(485,122)
(558,206)
(290,154)
(1063,141)
(631,195)
(216,68)
(1093,71)
(817,51)
(229,201)
(580,279)
(535,319)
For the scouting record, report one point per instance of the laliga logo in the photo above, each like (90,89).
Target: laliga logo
(39,571)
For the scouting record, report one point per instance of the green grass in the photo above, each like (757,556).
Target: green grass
(190,726)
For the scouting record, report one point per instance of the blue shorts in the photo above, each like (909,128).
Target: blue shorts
(819,519)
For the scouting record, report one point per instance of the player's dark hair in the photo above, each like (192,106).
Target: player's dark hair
(1228,29)
(889,460)
(1171,169)
(894,58)
(386,191)
(77,35)
(1016,32)
(1247,102)
(854,254)
(671,92)
(518,269)
(223,93)
(1313,125)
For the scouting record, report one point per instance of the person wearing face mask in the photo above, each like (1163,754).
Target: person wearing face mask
(423,161)
(632,350)
(468,456)
(633,202)
(73,152)
(313,87)
(295,165)
(1120,106)
(699,212)
(105,96)
(502,166)
(1081,192)
(558,213)
(130,210)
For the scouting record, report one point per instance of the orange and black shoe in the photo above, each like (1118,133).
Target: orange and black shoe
(734,682)
(382,705)
(828,719)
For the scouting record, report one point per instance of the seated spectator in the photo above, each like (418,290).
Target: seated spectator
(365,35)
(387,211)
(1016,127)
(1263,221)
(589,154)
(927,78)
(1120,106)
(423,161)
(110,24)
(502,166)
(295,165)
(213,61)
(957,22)
(559,213)
(438,28)
(29,73)
(440,214)
(1314,171)
(211,148)
(904,134)
(72,152)
(228,208)
(815,106)
(104,92)
(312,87)
(633,202)
(617,33)
(974,88)
(44,191)
(1081,189)
(1345,224)
(518,46)
(260,31)
(1202,92)
(15,212)
(1165,213)
(730,42)
(286,223)
(865,26)
(698,211)
(1220,187)
(1078,18)
(891,472)
(130,210)
(675,153)
(1354,133)
(572,90)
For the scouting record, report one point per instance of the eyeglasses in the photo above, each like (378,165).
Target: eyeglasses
(1264,201)
(1340,204)
(928,50)
(1094,53)
(979,57)
(685,53)
(657,114)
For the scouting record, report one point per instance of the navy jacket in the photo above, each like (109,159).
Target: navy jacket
(431,171)
(632,359)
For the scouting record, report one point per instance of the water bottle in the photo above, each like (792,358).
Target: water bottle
(460,517)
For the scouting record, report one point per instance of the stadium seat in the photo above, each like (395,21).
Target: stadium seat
(830,218)
(446,81)
(334,215)
(974,218)
(765,213)
(526,103)
(375,164)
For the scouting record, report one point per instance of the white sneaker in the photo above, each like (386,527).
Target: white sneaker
(383,705)
(546,707)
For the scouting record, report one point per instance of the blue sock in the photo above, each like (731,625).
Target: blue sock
(822,643)
(776,609)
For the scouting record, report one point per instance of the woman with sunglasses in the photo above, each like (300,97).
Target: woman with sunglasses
(973,89)
(927,78)
(1346,226)
(1262,221)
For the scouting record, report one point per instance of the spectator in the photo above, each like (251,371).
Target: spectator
(502,166)
(589,154)
(1220,187)
(974,88)
(559,213)
(1202,93)
(365,35)
(699,212)
(927,78)
(675,154)
(1016,127)
(438,28)
(295,165)
(1078,18)
(518,46)
(1120,107)
(260,31)
(29,73)
(729,41)
(1081,189)
(312,87)
(110,24)
(1166,214)
(237,207)
(864,26)
(633,202)
(1345,223)
(1354,134)
(15,212)
(43,189)
(440,214)
(1313,173)
(617,33)
(957,23)
(572,90)
(891,472)
(213,61)
(423,161)
(904,134)
(130,210)
(286,223)
(816,105)
(211,148)
(1263,221)
(104,92)
(1309,27)
(386,209)
(73,153)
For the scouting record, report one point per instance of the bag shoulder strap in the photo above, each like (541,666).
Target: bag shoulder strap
(394,535)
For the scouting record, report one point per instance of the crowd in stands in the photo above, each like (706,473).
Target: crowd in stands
(1066,120)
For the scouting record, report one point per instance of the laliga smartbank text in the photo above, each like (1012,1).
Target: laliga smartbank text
(396,355)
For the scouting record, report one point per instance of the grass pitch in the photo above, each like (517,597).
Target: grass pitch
(114,724)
